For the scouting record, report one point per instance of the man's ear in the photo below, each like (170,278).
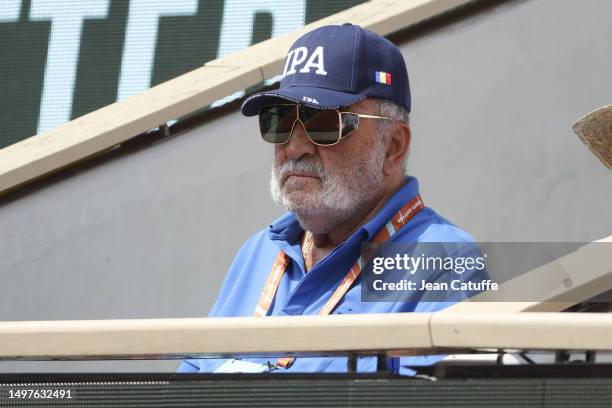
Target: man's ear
(397,147)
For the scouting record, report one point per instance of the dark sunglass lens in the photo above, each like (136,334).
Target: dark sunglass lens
(350,122)
(322,125)
(276,121)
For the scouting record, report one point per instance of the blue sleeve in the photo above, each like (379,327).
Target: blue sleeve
(233,300)
(239,295)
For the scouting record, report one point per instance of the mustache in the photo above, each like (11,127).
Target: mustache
(299,166)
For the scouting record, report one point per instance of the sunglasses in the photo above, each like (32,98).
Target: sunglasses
(324,127)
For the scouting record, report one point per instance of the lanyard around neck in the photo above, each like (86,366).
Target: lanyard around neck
(401,218)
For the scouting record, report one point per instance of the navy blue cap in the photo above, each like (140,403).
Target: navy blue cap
(335,66)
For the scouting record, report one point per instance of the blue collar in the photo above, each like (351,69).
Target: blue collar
(287,228)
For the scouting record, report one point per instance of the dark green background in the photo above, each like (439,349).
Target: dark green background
(183,44)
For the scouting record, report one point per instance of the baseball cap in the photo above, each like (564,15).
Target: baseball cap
(337,65)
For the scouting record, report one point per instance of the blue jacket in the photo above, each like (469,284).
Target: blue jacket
(301,293)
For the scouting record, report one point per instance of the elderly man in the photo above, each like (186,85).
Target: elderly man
(339,125)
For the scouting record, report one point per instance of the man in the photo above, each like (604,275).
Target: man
(339,122)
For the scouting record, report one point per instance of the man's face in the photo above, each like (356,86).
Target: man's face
(326,185)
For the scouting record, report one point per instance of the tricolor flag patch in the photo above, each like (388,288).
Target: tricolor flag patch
(383,77)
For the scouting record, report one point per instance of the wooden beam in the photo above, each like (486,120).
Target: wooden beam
(99,130)
(531,331)
(171,338)
(334,335)
(556,286)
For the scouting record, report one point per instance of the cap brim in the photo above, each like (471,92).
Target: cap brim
(307,95)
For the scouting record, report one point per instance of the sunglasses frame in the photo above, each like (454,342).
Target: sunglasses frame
(339,112)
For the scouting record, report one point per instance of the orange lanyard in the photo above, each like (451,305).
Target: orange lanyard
(281,261)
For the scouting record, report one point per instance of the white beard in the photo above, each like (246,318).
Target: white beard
(344,193)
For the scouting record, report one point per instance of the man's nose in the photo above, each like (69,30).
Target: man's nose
(299,144)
